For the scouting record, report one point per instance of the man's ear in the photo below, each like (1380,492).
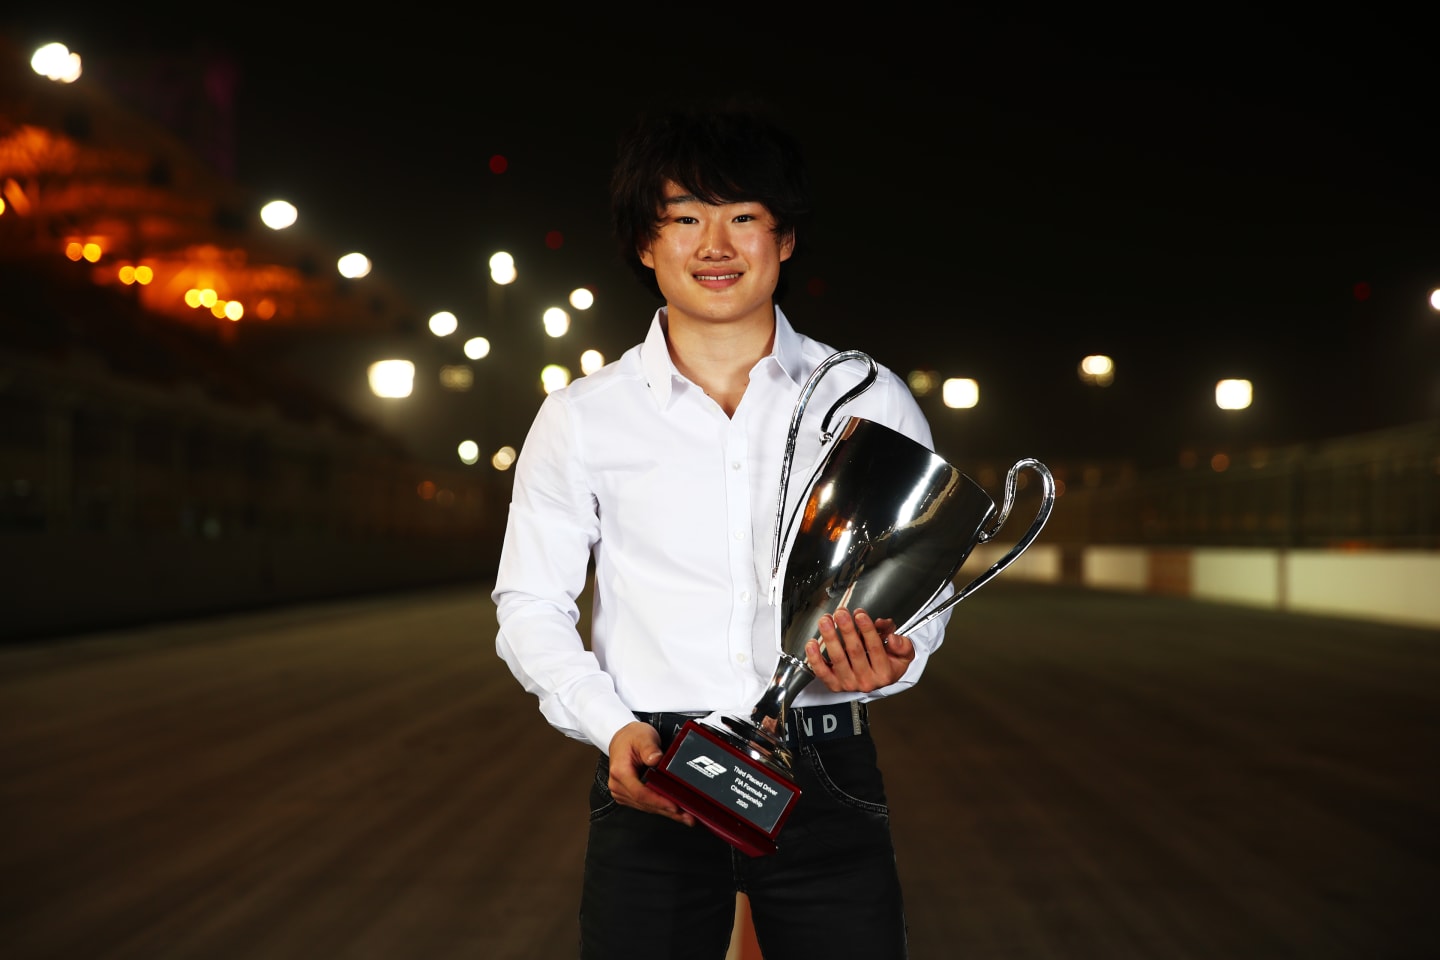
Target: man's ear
(787,246)
(645,256)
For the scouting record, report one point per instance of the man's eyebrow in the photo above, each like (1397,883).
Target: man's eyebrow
(682,198)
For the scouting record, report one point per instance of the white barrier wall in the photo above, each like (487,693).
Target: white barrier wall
(1399,587)
(1115,568)
(1039,563)
(1251,577)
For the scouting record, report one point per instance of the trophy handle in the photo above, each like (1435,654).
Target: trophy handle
(1047,503)
(826,434)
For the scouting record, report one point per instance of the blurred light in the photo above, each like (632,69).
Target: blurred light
(960,394)
(498,164)
(1361,291)
(192,297)
(353,266)
(278,214)
(208,298)
(1220,463)
(581,298)
(502,268)
(234,310)
(1097,369)
(444,498)
(2,207)
(127,274)
(469,451)
(54,61)
(504,458)
(477,347)
(921,382)
(591,360)
(1435,299)
(426,489)
(144,274)
(553,377)
(443,323)
(457,377)
(557,322)
(217,309)
(75,250)
(392,378)
(265,309)
(1233,394)
(554,240)
(92,252)
(16,195)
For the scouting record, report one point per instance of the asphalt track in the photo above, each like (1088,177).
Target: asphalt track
(1079,775)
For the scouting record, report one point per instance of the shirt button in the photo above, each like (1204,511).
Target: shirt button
(739,534)
(734,464)
(745,596)
(741,658)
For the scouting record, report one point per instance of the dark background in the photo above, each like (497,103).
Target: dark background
(1196,197)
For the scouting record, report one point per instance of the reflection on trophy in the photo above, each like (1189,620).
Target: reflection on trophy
(884,525)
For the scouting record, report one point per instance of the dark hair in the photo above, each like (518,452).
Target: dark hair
(719,155)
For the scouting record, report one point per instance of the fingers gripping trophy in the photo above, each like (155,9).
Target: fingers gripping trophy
(885,524)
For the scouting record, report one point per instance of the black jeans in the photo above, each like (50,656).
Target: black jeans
(655,888)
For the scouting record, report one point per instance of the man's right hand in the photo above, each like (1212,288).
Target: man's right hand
(634,749)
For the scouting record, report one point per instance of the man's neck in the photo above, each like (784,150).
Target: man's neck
(718,358)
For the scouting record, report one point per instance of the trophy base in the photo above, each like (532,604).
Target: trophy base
(713,775)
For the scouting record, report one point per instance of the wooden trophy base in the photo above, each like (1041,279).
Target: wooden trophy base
(743,801)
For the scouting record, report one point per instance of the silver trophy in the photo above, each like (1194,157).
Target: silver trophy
(885,525)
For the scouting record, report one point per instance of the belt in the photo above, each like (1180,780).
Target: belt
(804,725)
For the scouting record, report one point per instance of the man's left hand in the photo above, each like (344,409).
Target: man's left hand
(864,654)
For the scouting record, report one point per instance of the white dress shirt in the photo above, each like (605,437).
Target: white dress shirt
(676,502)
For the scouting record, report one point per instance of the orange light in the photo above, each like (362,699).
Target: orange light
(234,310)
(2,206)
(92,252)
(144,275)
(217,309)
(127,274)
(265,309)
(1220,463)
(426,489)
(208,297)
(192,298)
(75,250)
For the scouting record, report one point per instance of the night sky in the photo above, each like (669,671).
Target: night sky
(995,199)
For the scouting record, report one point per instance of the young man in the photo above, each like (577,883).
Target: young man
(664,467)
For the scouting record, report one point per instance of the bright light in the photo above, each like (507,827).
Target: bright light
(553,377)
(127,274)
(144,275)
(234,310)
(469,451)
(504,458)
(443,323)
(353,266)
(392,378)
(457,377)
(1233,394)
(557,322)
(960,394)
(192,297)
(1435,299)
(75,250)
(1097,369)
(502,268)
(278,214)
(582,299)
(591,360)
(54,61)
(921,382)
(477,347)
(92,252)
(208,297)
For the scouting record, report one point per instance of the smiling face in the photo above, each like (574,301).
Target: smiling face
(716,263)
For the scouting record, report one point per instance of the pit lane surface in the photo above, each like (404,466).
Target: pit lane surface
(1078,775)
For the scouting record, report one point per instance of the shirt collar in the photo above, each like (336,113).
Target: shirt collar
(660,372)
